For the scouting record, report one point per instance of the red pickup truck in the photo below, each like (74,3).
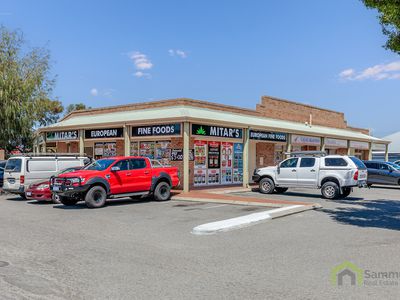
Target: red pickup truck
(116,177)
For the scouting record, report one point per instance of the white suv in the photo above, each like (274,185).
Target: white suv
(335,175)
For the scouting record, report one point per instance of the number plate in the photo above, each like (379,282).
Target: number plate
(29,194)
(56,188)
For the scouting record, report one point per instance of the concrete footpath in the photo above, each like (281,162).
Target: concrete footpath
(281,208)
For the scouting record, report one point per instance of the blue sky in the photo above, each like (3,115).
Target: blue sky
(324,53)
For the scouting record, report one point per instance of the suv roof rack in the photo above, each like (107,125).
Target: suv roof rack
(307,153)
(49,155)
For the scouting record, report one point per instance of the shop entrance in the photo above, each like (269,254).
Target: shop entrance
(217,163)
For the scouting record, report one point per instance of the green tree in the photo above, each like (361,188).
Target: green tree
(25,90)
(78,106)
(389,18)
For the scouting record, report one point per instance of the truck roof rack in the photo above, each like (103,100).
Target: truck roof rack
(307,153)
(49,155)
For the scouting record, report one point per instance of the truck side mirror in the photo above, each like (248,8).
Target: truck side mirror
(115,169)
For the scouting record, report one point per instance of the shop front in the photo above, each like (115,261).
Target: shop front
(62,141)
(218,155)
(305,143)
(267,148)
(335,146)
(104,142)
(359,149)
(161,141)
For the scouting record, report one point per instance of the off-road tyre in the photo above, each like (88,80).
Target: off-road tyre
(162,192)
(96,197)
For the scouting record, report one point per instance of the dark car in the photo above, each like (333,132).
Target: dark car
(383,173)
(2,166)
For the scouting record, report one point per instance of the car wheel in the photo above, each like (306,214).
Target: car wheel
(330,190)
(96,197)
(162,191)
(55,199)
(346,191)
(68,201)
(267,186)
(280,190)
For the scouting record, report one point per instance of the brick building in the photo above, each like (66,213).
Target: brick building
(212,144)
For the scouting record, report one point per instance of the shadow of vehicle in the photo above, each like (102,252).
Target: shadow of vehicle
(15,198)
(385,187)
(380,213)
(309,195)
(36,202)
(109,203)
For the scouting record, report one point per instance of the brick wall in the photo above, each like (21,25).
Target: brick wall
(74,147)
(267,151)
(120,147)
(177,143)
(298,112)
(62,147)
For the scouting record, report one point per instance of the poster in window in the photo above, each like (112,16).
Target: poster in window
(213,155)
(237,163)
(110,149)
(147,149)
(226,162)
(199,177)
(213,177)
(163,152)
(200,154)
(98,149)
(134,148)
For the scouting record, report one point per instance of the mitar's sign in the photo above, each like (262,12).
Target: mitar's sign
(217,131)
(62,135)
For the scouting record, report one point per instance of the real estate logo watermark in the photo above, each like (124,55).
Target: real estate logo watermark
(349,274)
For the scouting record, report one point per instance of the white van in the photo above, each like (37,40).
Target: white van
(25,169)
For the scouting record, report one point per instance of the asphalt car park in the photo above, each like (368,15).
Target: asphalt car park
(145,249)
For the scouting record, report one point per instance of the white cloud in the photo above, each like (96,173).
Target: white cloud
(347,73)
(140,74)
(94,92)
(177,52)
(141,61)
(377,72)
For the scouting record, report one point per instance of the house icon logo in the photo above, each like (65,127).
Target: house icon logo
(347,272)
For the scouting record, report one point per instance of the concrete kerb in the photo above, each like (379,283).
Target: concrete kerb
(248,220)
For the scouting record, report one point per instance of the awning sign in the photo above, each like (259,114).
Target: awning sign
(217,131)
(335,143)
(267,136)
(166,129)
(104,133)
(305,140)
(359,145)
(62,135)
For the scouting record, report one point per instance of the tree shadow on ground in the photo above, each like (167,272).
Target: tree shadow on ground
(380,213)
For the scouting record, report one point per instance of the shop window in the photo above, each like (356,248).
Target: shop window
(217,163)
(290,163)
(307,162)
(160,150)
(105,149)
